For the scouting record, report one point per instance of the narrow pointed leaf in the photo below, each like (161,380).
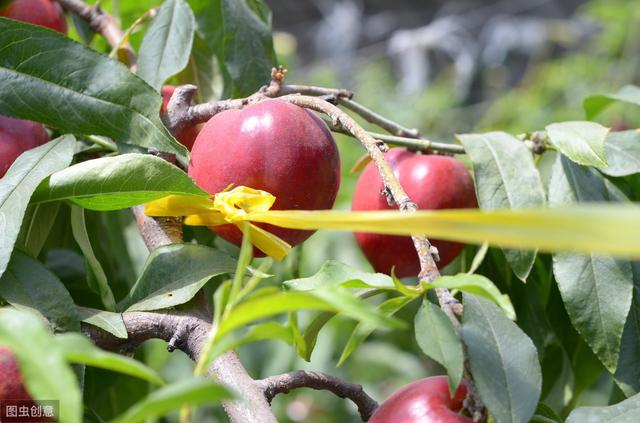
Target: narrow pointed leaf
(79,230)
(112,183)
(627,411)
(623,153)
(362,330)
(110,322)
(173,274)
(596,103)
(20,181)
(478,285)
(47,77)
(259,332)
(582,142)
(506,178)
(328,299)
(169,398)
(504,361)
(203,70)
(28,285)
(36,226)
(42,364)
(627,375)
(596,290)
(236,30)
(167,43)
(439,340)
(79,349)
(336,273)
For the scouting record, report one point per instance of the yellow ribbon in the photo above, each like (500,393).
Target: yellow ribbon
(234,206)
(607,229)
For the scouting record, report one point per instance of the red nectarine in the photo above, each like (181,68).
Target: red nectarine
(432,182)
(424,401)
(16,137)
(37,12)
(273,146)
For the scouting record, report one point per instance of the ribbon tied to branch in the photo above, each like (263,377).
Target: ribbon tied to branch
(235,206)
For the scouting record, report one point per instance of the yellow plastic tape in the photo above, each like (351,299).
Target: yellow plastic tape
(605,229)
(234,206)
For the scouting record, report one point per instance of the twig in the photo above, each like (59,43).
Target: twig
(102,23)
(282,384)
(373,117)
(415,143)
(315,91)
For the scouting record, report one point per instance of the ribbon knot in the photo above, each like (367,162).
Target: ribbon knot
(234,206)
(237,204)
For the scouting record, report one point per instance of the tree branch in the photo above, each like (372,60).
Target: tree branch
(102,23)
(282,384)
(413,143)
(188,330)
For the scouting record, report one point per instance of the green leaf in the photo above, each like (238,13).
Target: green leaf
(203,71)
(362,330)
(79,349)
(478,258)
(112,183)
(506,178)
(21,180)
(596,290)
(310,334)
(28,285)
(237,30)
(478,285)
(37,224)
(439,340)
(185,392)
(42,364)
(259,332)
(627,411)
(327,299)
(504,362)
(582,142)
(47,77)
(627,374)
(333,273)
(110,322)
(167,43)
(79,229)
(545,414)
(622,150)
(173,274)
(596,103)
